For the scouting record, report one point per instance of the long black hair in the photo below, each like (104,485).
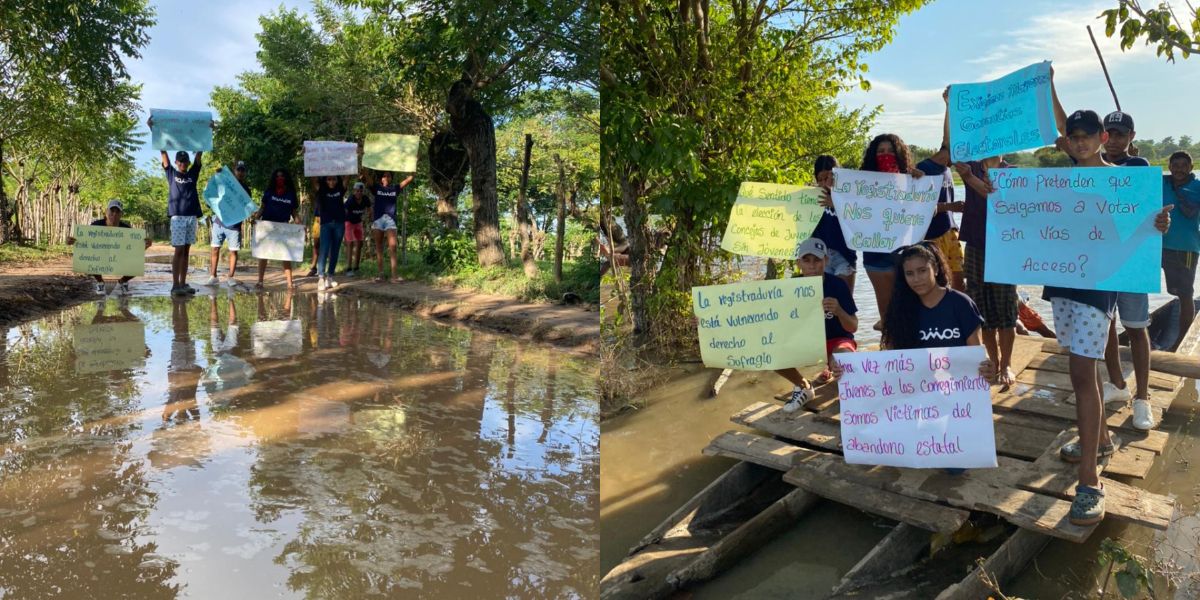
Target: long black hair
(289,186)
(903,156)
(824,162)
(900,322)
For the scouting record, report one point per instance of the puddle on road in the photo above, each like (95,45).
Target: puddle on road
(267,447)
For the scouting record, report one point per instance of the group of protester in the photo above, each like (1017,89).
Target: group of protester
(338,217)
(932,294)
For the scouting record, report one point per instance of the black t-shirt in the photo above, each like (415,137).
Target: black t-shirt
(183,200)
(835,288)
(949,324)
(355,209)
(278,207)
(385,200)
(104,223)
(829,230)
(329,203)
(941,221)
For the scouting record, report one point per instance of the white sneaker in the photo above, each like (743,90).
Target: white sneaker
(100,288)
(123,289)
(212,281)
(799,397)
(1143,415)
(1115,397)
(330,283)
(232,281)
(320,283)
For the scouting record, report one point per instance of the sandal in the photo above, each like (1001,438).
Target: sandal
(825,377)
(1072,453)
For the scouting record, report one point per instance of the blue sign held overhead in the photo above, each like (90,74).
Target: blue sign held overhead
(1010,114)
(227,199)
(181,130)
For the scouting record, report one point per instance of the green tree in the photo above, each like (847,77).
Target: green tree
(1159,26)
(60,58)
(698,97)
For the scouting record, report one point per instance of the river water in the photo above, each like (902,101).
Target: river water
(280,446)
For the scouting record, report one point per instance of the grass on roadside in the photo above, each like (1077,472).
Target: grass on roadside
(16,254)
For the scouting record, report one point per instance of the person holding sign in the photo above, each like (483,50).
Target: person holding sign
(385,196)
(924,312)
(941,230)
(358,207)
(279,205)
(887,153)
(841,260)
(112,218)
(1082,319)
(330,192)
(183,206)
(228,233)
(840,320)
(1181,244)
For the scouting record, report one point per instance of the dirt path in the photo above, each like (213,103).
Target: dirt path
(28,291)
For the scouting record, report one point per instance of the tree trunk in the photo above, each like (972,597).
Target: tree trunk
(448,175)
(524,220)
(5,209)
(562,218)
(640,285)
(475,128)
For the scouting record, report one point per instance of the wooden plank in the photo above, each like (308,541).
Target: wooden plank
(898,550)
(1057,404)
(897,507)
(1050,379)
(1179,363)
(978,489)
(1024,351)
(744,540)
(1008,560)
(800,427)
(719,383)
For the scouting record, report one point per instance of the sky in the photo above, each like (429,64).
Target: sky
(957,41)
(194,47)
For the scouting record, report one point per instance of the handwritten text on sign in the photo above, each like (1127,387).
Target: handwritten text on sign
(880,212)
(391,152)
(109,346)
(1015,112)
(916,408)
(1086,228)
(761,325)
(330,158)
(278,241)
(117,251)
(181,130)
(770,220)
(228,199)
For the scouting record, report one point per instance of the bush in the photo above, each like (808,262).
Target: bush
(453,251)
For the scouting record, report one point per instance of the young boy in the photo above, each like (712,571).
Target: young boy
(112,218)
(840,322)
(1181,244)
(1082,319)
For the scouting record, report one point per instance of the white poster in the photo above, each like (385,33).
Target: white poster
(277,339)
(278,241)
(881,212)
(916,408)
(330,158)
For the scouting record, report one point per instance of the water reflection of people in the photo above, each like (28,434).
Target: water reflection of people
(110,342)
(380,353)
(179,441)
(225,370)
(273,336)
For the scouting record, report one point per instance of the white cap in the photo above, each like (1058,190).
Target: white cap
(114,203)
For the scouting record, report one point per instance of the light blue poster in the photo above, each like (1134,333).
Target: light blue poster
(181,130)
(1088,228)
(1013,113)
(227,198)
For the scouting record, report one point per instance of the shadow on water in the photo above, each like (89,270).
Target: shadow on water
(291,446)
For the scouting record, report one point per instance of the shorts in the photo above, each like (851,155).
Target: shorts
(1179,266)
(836,344)
(1030,318)
(997,302)
(1134,310)
(837,265)
(1082,329)
(183,231)
(880,262)
(384,223)
(354,232)
(232,236)
(951,248)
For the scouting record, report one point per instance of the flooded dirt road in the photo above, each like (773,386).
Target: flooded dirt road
(290,446)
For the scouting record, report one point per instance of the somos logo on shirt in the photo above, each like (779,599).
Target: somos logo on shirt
(183,180)
(949,333)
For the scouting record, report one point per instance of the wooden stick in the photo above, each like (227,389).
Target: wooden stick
(1104,67)
(721,379)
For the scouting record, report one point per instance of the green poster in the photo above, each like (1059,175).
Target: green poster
(115,251)
(109,346)
(770,219)
(761,325)
(391,152)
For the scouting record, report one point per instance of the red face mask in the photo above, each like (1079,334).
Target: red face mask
(886,163)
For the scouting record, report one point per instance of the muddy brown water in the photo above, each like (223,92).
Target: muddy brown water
(280,446)
(652,465)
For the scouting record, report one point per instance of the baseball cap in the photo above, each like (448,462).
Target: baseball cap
(358,185)
(1087,120)
(813,246)
(114,203)
(241,166)
(182,156)
(1121,121)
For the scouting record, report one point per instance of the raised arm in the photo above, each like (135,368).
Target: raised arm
(942,156)
(166,161)
(198,163)
(407,180)
(1060,115)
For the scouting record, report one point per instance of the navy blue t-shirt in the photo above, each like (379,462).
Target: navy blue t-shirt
(941,221)
(834,287)
(183,201)
(278,208)
(355,209)
(829,230)
(329,203)
(385,200)
(949,324)
(104,223)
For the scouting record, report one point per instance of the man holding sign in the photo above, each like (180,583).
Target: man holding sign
(183,207)
(228,233)
(112,218)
